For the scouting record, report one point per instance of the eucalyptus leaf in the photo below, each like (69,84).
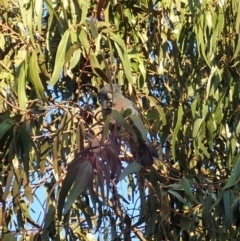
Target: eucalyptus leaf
(131,168)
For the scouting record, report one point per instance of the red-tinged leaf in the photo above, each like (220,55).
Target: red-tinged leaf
(67,183)
(77,177)
(83,177)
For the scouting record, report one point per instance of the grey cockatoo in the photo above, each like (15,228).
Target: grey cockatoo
(111,98)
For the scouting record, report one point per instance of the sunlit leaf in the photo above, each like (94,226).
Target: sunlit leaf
(60,57)
(9,236)
(120,46)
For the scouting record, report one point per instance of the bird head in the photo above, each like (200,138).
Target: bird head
(107,96)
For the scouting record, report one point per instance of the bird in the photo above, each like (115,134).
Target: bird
(111,98)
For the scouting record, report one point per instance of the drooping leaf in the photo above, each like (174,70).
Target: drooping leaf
(131,168)
(176,129)
(84,175)
(77,178)
(118,117)
(139,124)
(227,201)
(178,196)
(34,77)
(197,125)
(49,219)
(5,125)
(122,53)
(60,58)
(187,189)
(21,76)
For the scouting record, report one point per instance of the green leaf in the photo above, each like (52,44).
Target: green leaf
(9,237)
(206,210)
(230,182)
(204,149)
(122,53)
(29,21)
(176,129)
(101,74)
(155,103)
(60,57)
(118,117)
(94,61)
(139,124)
(25,211)
(84,39)
(142,70)
(34,77)
(38,14)
(176,186)
(5,125)
(194,106)
(84,7)
(152,115)
(178,196)
(197,126)
(49,219)
(131,168)
(93,28)
(50,8)
(21,77)
(75,58)
(153,179)
(238,47)
(28,193)
(187,189)
(185,223)
(106,127)
(227,201)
